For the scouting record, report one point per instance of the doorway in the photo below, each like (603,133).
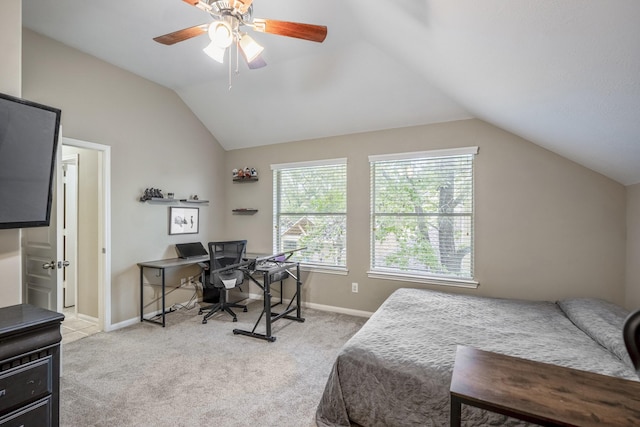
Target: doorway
(86,289)
(42,247)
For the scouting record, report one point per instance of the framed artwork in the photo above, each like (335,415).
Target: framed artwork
(184,220)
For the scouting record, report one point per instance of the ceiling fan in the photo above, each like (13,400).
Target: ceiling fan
(226,29)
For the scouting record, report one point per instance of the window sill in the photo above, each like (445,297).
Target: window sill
(459,283)
(342,271)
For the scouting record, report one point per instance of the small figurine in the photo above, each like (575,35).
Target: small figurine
(235,173)
(247,172)
(240,173)
(151,193)
(254,172)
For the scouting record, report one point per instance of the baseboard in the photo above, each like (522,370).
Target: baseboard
(133,321)
(314,306)
(123,324)
(321,307)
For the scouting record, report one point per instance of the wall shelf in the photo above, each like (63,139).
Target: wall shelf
(154,200)
(160,200)
(193,201)
(247,179)
(244,211)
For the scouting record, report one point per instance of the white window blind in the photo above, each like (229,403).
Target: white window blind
(422,213)
(310,211)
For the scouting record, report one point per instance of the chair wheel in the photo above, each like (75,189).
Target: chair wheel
(204,321)
(199,311)
(244,309)
(235,319)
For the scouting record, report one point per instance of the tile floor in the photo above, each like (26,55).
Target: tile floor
(74,329)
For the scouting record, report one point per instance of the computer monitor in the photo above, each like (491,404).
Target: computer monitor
(190,250)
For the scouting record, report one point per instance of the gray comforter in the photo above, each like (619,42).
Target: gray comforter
(396,371)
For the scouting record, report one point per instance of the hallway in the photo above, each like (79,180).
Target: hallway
(74,329)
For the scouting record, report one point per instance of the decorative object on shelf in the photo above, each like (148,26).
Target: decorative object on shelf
(245,174)
(151,194)
(184,220)
(170,195)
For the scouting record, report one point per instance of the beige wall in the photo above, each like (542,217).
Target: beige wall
(633,247)
(155,141)
(10,78)
(546,228)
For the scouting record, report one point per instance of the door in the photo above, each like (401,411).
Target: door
(70,225)
(42,254)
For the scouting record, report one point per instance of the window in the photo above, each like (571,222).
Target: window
(310,211)
(422,215)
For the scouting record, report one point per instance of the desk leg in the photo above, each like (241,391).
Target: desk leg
(141,293)
(267,303)
(163,300)
(298,299)
(456,412)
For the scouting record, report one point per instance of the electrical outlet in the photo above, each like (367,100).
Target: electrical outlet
(354,287)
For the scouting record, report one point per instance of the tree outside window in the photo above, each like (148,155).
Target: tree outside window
(422,213)
(310,211)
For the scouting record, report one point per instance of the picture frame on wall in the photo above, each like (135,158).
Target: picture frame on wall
(184,220)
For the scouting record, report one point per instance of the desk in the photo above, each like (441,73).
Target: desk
(541,393)
(163,265)
(269,270)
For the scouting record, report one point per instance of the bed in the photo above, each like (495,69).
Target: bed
(396,370)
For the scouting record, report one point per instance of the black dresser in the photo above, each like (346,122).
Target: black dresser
(29,366)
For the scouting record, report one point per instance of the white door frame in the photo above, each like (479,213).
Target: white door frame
(104,209)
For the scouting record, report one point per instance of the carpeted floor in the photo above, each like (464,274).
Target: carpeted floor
(191,374)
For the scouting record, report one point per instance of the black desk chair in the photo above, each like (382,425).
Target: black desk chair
(225,260)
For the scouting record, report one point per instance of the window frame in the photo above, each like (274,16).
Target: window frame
(412,276)
(276,242)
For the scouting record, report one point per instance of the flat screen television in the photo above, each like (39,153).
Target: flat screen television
(28,144)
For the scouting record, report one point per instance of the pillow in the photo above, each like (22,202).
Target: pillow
(601,320)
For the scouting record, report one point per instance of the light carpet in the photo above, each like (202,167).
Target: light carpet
(194,374)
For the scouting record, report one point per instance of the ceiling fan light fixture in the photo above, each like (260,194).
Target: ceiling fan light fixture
(215,52)
(221,34)
(250,48)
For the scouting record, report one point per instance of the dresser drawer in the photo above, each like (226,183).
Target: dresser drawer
(25,383)
(38,414)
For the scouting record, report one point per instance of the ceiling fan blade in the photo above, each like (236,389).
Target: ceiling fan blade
(314,33)
(181,35)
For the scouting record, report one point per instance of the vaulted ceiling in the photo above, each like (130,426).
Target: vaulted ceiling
(562,74)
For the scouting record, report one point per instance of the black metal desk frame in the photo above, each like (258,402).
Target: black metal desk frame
(268,271)
(161,266)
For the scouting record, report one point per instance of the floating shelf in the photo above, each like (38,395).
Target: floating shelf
(244,211)
(160,200)
(247,179)
(193,201)
(168,200)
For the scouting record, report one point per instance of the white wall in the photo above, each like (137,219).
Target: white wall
(633,248)
(155,141)
(10,81)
